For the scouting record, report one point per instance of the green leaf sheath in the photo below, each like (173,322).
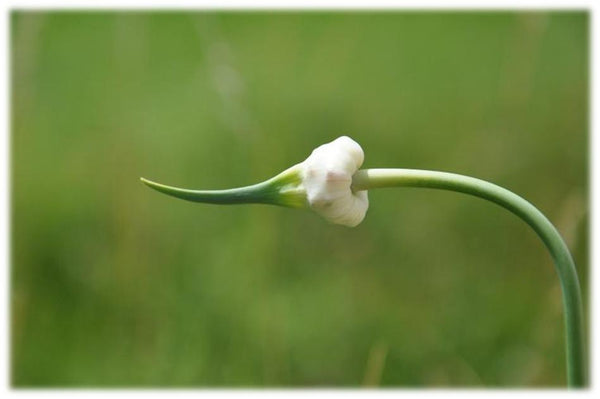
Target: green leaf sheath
(261,193)
(283,190)
(367,179)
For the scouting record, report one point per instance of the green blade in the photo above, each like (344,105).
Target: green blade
(260,193)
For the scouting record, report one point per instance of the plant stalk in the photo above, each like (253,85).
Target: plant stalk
(367,179)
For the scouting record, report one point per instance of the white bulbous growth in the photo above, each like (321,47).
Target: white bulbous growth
(327,178)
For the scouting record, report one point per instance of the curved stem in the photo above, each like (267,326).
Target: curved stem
(375,178)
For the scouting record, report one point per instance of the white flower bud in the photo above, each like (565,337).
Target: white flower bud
(327,179)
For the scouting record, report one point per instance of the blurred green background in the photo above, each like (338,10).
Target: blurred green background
(113,284)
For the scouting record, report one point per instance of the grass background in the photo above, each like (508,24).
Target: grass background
(115,285)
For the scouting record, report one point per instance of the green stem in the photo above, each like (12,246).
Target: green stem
(375,178)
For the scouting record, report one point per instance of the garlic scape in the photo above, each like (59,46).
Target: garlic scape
(330,183)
